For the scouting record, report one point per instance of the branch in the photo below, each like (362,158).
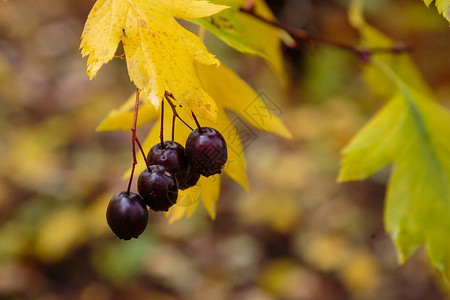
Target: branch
(300,36)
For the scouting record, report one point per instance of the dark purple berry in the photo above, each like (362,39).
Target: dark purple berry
(171,156)
(190,180)
(206,151)
(158,187)
(127,215)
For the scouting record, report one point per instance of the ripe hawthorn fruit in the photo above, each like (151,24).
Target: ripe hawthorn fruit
(158,187)
(127,215)
(206,151)
(171,155)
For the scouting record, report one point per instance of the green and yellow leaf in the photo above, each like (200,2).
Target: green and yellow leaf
(247,34)
(400,63)
(411,133)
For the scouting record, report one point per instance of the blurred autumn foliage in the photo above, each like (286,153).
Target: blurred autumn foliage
(297,234)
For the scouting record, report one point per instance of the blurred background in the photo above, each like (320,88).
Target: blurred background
(297,234)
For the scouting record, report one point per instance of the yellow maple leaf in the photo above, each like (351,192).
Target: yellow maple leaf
(159,52)
(230,92)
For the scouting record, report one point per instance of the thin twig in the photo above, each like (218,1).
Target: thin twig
(174,108)
(300,35)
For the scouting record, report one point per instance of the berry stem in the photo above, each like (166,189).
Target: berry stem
(173,127)
(196,121)
(133,166)
(142,152)
(161,133)
(300,35)
(169,95)
(133,139)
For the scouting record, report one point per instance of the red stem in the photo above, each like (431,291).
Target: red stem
(133,139)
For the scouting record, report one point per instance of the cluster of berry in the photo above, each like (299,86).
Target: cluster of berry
(170,168)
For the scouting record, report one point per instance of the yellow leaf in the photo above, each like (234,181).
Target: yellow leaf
(235,166)
(160,53)
(187,204)
(175,213)
(189,197)
(191,209)
(210,193)
(102,32)
(191,9)
(122,118)
(233,93)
